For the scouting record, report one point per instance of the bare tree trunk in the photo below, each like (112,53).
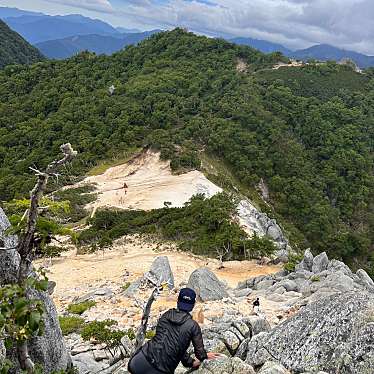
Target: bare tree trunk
(24,247)
(140,336)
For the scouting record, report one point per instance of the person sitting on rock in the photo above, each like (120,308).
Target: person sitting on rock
(174,332)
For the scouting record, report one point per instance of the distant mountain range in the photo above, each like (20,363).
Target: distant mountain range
(63,36)
(37,29)
(262,45)
(100,44)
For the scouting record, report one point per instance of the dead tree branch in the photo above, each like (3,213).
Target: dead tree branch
(140,336)
(25,243)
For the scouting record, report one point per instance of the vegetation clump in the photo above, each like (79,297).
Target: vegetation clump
(70,324)
(293,260)
(105,333)
(80,308)
(203,226)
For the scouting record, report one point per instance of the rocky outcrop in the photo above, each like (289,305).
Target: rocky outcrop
(48,350)
(160,271)
(206,285)
(329,334)
(313,278)
(261,224)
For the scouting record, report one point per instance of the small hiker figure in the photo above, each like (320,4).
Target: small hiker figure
(125,187)
(256,305)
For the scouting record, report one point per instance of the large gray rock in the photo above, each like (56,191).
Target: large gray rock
(307,262)
(264,284)
(48,350)
(365,280)
(86,363)
(161,271)
(206,285)
(240,367)
(320,263)
(334,332)
(257,324)
(271,367)
(225,365)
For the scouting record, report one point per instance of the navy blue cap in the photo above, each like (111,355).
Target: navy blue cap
(186,299)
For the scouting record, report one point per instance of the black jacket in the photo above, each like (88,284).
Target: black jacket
(174,333)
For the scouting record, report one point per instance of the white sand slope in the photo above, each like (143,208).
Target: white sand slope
(150,183)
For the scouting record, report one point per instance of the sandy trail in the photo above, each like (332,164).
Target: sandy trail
(150,183)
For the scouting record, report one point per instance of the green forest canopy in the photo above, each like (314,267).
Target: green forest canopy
(308,132)
(14,49)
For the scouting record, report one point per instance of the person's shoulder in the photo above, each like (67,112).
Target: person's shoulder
(194,325)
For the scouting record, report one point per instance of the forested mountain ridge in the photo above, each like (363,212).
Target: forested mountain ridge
(99,44)
(14,49)
(183,94)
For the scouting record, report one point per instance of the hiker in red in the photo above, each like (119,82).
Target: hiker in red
(174,332)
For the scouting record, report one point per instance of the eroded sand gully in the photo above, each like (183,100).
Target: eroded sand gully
(149,183)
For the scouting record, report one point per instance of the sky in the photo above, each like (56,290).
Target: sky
(296,24)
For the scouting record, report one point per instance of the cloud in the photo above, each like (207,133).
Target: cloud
(295,23)
(101,6)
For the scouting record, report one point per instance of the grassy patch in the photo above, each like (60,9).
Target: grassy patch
(70,324)
(103,166)
(80,308)
(126,286)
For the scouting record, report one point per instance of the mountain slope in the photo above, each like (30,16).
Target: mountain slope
(14,49)
(182,95)
(36,29)
(99,44)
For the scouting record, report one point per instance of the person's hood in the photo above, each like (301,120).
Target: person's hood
(177,317)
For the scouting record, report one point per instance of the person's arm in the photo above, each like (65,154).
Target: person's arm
(198,343)
(187,360)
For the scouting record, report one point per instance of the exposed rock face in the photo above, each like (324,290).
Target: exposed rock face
(48,350)
(9,259)
(365,280)
(161,271)
(334,332)
(320,263)
(262,225)
(307,262)
(206,285)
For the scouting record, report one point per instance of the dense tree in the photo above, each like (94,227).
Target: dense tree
(14,49)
